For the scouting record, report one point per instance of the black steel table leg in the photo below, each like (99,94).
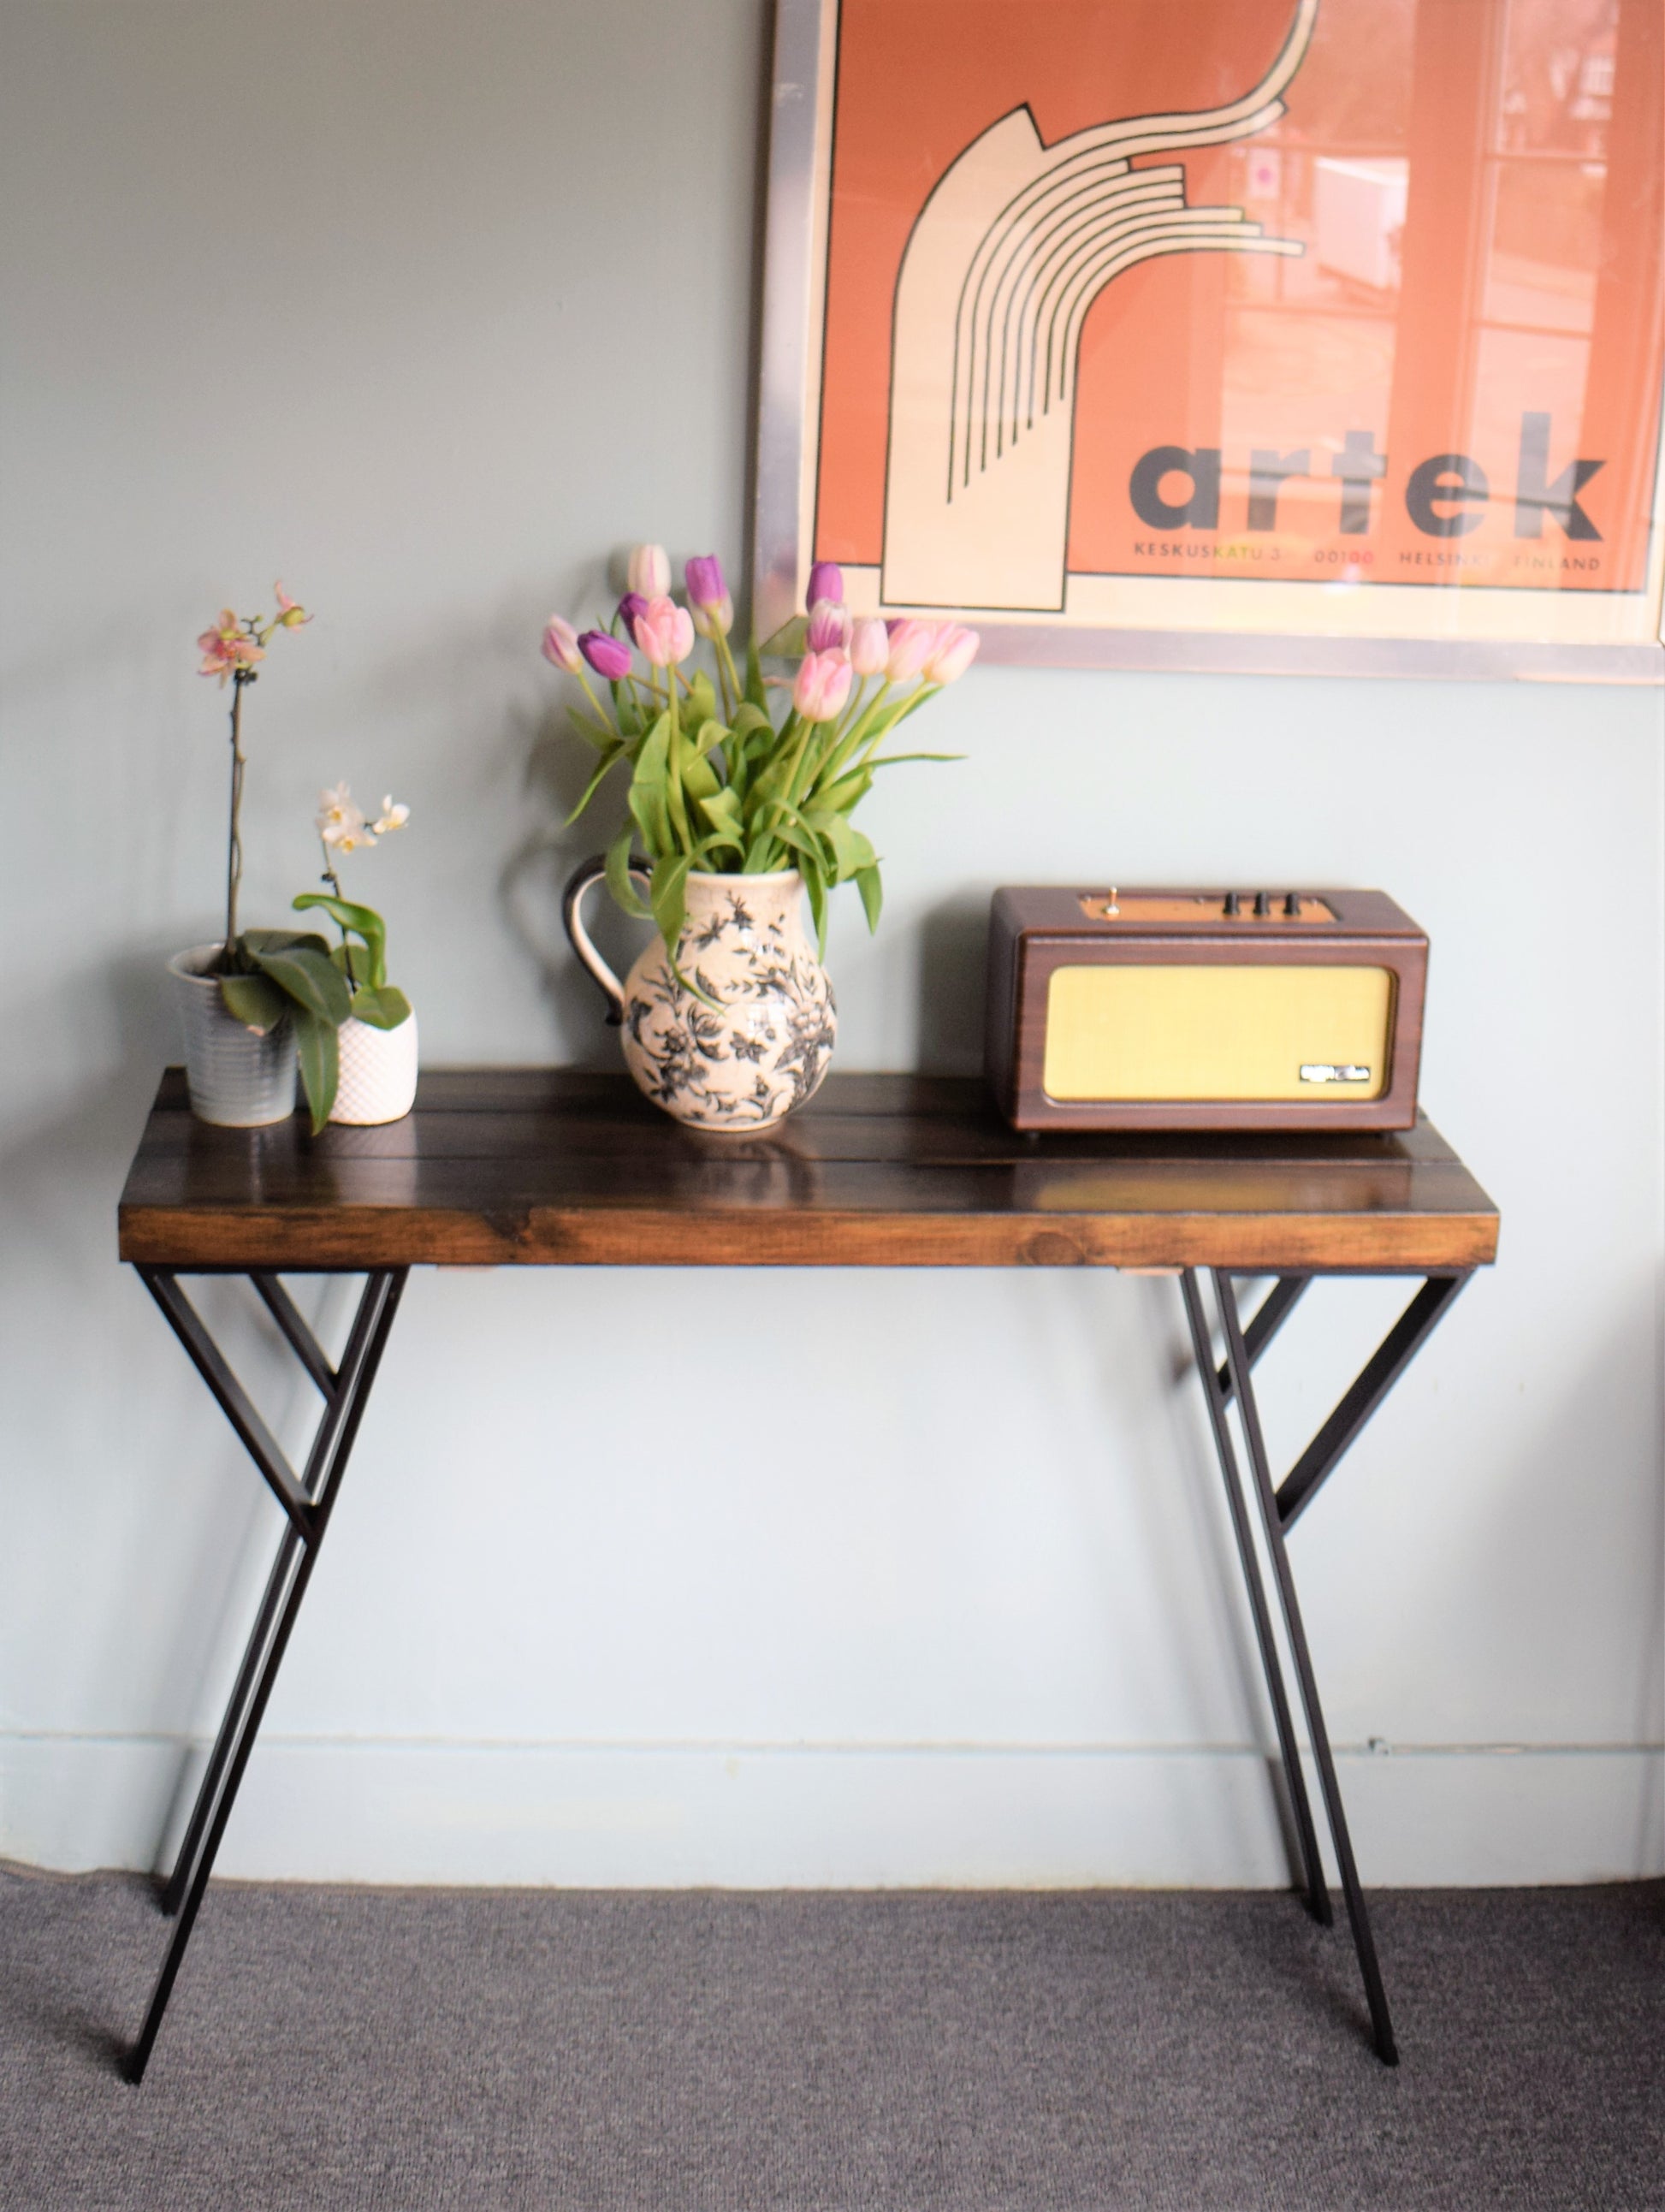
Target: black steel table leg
(1236,1356)
(337,1388)
(1215,1392)
(309,1514)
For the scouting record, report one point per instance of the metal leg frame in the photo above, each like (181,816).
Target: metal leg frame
(1279,1506)
(306,1499)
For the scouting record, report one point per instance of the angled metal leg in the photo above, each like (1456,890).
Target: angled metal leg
(308,1501)
(1215,1388)
(337,1389)
(1279,1507)
(1236,1355)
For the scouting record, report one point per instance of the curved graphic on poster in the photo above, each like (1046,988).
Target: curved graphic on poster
(1013,245)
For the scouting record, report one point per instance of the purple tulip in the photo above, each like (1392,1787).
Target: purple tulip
(826,583)
(631,607)
(610,657)
(829,627)
(703,576)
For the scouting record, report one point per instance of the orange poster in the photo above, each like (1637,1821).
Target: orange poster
(1340,316)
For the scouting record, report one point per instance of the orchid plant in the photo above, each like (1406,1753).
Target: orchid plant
(267,975)
(717,784)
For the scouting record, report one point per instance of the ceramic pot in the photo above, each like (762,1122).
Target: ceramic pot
(764,1044)
(237,1080)
(378,1072)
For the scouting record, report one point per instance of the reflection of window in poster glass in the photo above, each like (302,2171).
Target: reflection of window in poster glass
(1327,333)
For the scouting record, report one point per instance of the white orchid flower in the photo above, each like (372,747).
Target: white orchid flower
(341,821)
(390,817)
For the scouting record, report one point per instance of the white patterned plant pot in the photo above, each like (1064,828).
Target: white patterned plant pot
(758,1039)
(239,1078)
(378,1072)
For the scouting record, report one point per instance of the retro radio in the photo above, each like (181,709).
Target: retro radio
(1116,1009)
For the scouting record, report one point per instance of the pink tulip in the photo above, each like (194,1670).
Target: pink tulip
(954,650)
(715,621)
(912,643)
(822,686)
(869,645)
(829,630)
(826,583)
(610,657)
(650,571)
(665,634)
(560,645)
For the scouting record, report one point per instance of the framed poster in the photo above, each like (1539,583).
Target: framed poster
(1319,335)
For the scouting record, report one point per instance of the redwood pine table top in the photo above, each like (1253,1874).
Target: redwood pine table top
(552,1167)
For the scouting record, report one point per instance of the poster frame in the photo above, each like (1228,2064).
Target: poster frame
(796,227)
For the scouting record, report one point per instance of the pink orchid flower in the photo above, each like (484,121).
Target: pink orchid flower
(822,686)
(290,612)
(227,650)
(665,634)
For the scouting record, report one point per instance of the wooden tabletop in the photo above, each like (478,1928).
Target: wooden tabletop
(550,1167)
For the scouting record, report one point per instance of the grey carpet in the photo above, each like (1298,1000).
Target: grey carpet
(731,2052)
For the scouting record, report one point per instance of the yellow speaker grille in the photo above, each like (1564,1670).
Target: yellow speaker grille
(1197,1032)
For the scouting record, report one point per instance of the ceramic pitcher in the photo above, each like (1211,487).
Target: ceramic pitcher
(753,1038)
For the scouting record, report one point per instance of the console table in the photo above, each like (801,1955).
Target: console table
(553,1168)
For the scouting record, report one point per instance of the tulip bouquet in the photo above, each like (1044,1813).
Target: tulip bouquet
(717,784)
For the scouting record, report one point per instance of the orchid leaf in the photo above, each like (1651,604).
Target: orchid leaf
(364,921)
(383,1009)
(311,980)
(253,942)
(254,1001)
(319,1050)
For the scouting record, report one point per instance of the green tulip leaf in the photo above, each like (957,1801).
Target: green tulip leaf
(594,784)
(619,862)
(649,801)
(701,703)
(873,894)
(668,895)
(593,731)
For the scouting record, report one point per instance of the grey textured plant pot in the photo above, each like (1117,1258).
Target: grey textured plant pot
(237,1080)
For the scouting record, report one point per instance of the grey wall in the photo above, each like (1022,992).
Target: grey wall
(425,305)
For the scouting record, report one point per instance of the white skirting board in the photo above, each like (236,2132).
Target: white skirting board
(742,1816)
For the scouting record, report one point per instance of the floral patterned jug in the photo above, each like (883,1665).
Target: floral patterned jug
(764,1044)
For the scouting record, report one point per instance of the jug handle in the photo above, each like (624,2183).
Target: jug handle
(590,872)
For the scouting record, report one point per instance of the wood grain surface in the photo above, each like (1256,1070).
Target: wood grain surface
(555,1167)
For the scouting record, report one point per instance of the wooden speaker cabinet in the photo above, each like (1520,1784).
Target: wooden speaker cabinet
(1145,1009)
